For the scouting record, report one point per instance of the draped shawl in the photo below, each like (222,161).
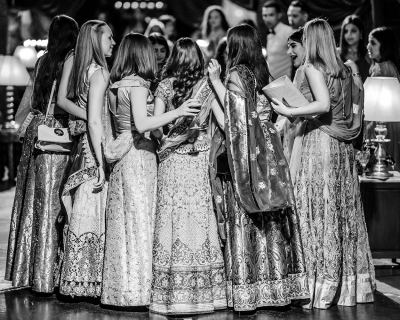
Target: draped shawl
(260,174)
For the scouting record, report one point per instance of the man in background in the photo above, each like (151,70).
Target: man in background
(298,13)
(279,62)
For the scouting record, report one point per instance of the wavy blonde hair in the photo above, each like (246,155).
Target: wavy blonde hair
(319,42)
(88,49)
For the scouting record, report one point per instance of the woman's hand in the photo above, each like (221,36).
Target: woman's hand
(280,108)
(98,186)
(214,70)
(190,107)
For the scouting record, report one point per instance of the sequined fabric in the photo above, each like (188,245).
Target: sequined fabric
(263,253)
(37,215)
(130,211)
(332,224)
(188,265)
(82,267)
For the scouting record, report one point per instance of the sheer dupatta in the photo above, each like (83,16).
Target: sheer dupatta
(260,174)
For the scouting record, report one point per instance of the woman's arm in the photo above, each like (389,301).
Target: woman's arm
(97,89)
(159,108)
(214,71)
(144,123)
(62,100)
(320,92)
(356,73)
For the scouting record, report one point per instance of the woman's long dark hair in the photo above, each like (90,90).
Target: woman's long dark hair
(344,47)
(389,49)
(186,65)
(244,47)
(63,33)
(135,56)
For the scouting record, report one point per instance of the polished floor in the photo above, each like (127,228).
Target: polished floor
(22,304)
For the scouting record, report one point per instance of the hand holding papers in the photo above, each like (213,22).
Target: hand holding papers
(284,90)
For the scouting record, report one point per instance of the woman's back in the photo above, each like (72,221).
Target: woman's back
(122,115)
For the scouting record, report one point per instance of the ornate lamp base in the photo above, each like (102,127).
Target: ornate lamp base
(380,168)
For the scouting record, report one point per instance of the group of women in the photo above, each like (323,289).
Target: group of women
(207,213)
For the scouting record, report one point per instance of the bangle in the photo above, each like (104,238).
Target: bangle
(356,74)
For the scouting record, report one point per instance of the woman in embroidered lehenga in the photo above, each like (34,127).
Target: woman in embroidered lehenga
(32,257)
(333,231)
(132,187)
(85,191)
(188,266)
(263,253)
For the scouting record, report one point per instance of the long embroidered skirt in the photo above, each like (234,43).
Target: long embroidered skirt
(264,257)
(129,228)
(333,228)
(188,265)
(35,231)
(82,268)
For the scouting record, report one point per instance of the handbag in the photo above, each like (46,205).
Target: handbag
(53,139)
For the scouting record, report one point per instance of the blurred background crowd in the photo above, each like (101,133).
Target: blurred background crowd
(24,25)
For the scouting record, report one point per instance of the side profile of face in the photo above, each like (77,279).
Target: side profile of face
(374,48)
(297,52)
(214,19)
(161,53)
(351,34)
(107,41)
(270,17)
(297,18)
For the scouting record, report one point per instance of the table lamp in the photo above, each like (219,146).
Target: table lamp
(12,73)
(381,104)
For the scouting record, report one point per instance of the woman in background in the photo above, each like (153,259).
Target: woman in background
(352,45)
(263,253)
(188,265)
(155,26)
(170,28)
(213,29)
(332,224)
(32,257)
(161,50)
(85,191)
(132,188)
(383,48)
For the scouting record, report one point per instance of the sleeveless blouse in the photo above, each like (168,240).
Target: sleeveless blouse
(122,115)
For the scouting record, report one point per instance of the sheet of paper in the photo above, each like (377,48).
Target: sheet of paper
(284,90)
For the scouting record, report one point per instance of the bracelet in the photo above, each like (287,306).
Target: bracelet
(356,74)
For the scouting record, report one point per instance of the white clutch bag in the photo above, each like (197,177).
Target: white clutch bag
(53,139)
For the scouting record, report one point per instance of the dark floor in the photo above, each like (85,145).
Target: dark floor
(22,304)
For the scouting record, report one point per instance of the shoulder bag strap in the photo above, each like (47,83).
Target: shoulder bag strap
(51,98)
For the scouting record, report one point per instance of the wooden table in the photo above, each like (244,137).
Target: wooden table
(381,201)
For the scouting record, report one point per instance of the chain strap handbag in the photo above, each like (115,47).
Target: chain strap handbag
(53,139)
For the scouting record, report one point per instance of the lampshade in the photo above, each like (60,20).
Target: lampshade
(382,99)
(27,55)
(12,72)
